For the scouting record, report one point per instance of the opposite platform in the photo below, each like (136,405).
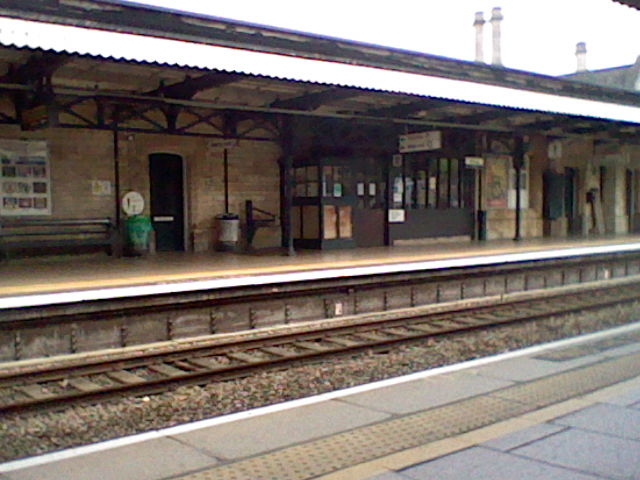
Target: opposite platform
(33,283)
(567,410)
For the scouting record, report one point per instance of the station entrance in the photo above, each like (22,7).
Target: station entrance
(167,201)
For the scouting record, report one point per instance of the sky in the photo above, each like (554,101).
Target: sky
(538,36)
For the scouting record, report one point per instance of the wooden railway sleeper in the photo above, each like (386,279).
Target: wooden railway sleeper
(242,357)
(342,341)
(277,352)
(165,369)
(313,346)
(124,377)
(84,385)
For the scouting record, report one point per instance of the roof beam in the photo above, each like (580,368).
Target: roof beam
(312,101)
(479,117)
(189,87)
(406,109)
(38,66)
(184,90)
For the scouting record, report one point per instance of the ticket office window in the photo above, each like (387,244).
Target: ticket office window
(427,182)
(370,185)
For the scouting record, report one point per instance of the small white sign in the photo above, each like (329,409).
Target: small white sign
(396,215)
(474,162)
(132,203)
(554,151)
(221,144)
(419,142)
(101,187)
(396,160)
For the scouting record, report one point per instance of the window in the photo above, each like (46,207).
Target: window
(425,182)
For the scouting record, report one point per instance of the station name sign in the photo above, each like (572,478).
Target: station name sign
(420,142)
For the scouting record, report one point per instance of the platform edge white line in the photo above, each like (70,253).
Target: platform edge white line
(35,300)
(44,459)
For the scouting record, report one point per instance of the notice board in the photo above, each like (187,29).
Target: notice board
(25,185)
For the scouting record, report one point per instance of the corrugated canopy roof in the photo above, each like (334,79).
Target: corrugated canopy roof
(178,53)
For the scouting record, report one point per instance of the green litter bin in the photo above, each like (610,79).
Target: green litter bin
(138,230)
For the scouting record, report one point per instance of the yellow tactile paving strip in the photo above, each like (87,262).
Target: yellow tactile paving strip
(426,431)
(32,277)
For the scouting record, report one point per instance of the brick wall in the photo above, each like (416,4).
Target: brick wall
(79,156)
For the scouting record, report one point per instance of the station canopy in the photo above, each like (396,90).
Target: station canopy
(144,58)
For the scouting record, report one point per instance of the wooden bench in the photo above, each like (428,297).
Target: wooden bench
(48,234)
(266,219)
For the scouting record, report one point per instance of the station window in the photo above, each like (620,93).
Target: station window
(427,182)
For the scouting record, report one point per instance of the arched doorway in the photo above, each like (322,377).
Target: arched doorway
(167,200)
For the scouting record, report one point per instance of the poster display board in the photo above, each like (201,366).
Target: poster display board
(497,181)
(25,185)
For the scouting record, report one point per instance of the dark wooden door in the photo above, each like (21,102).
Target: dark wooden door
(167,204)
(369,227)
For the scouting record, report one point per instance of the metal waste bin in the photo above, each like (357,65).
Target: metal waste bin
(138,233)
(228,227)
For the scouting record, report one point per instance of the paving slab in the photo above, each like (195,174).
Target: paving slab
(527,369)
(268,432)
(523,437)
(388,476)
(479,463)
(420,395)
(623,350)
(631,398)
(608,419)
(598,454)
(150,460)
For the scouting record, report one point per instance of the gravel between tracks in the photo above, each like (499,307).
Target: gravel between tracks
(30,434)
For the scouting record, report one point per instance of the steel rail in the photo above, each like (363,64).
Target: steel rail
(26,391)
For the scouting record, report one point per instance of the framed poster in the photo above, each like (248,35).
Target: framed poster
(497,181)
(25,185)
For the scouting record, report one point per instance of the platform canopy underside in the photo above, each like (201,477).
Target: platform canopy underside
(259,74)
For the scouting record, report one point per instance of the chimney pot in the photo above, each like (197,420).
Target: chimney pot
(479,26)
(581,56)
(496,19)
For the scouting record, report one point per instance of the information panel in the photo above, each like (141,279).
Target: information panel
(25,185)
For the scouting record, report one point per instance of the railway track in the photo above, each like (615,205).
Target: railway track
(60,384)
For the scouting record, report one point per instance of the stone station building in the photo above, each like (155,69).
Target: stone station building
(348,144)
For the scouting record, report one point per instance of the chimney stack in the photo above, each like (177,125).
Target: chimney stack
(496,19)
(479,25)
(581,56)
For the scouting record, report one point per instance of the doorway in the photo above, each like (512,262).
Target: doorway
(574,226)
(167,200)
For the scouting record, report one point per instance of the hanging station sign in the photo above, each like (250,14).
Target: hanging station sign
(25,185)
(420,142)
(474,162)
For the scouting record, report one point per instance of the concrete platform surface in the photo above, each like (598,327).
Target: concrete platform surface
(36,276)
(568,410)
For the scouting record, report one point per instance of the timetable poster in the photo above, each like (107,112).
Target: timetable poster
(25,185)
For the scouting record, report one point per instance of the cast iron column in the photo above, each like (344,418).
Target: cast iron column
(116,174)
(518,162)
(287,188)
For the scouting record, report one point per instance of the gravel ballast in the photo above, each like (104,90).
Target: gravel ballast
(32,434)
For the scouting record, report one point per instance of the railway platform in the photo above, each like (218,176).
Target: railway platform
(34,282)
(565,410)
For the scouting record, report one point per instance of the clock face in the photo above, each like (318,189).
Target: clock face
(132,203)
